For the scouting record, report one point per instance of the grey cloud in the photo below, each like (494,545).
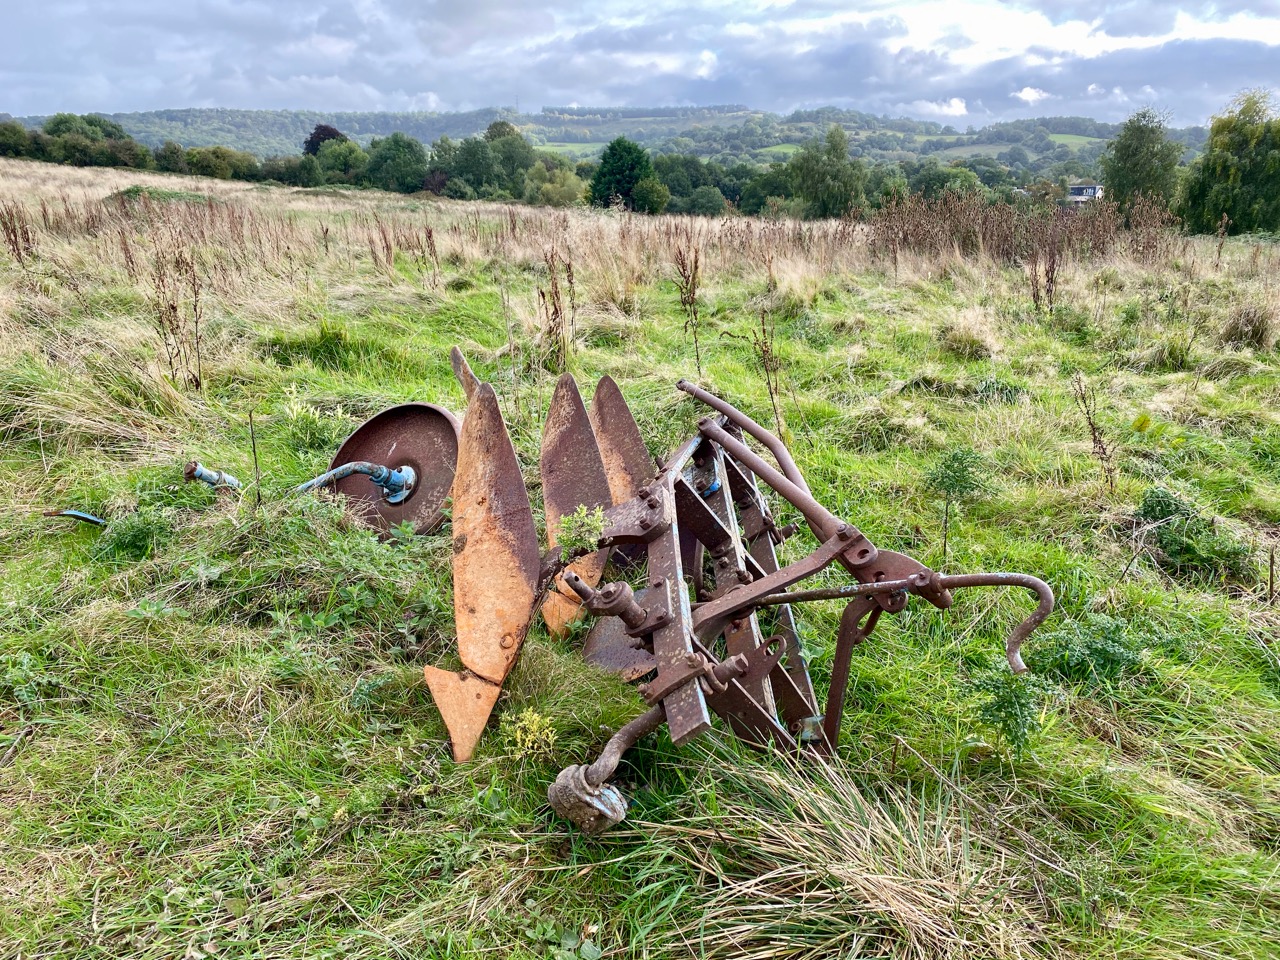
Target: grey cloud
(403,54)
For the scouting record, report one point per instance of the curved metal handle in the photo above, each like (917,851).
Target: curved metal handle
(1013,646)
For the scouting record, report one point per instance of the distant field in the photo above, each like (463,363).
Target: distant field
(780,151)
(1074,140)
(578,151)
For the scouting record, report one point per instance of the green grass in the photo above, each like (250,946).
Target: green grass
(577,151)
(214,735)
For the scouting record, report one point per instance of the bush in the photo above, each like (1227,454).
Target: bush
(650,195)
(1011,704)
(171,158)
(397,163)
(1095,652)
(14,139)
(706,201)
(1189,545)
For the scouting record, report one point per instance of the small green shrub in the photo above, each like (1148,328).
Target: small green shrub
(1187,544)
(1011,704)
(1097,652)
(27,680)
(137,535)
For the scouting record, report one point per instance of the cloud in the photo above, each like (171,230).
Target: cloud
(981,59)
(955,107)
(1031,95)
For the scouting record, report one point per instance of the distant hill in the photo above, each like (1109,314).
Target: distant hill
(728,133)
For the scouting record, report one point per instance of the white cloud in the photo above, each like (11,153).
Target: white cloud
(955,107)
(1031,95)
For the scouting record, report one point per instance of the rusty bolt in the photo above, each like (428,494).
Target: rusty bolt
(722,562)
(646,523)
(744,576)
(692,660)
(843,531)
(643,689)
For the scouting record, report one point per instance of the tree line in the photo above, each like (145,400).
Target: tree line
(1237,177)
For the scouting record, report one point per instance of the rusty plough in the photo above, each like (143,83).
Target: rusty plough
(712,628)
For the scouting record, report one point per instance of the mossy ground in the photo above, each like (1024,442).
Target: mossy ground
(214,738)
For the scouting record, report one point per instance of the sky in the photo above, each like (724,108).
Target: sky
(959,61)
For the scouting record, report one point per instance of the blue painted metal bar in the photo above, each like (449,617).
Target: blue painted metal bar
(77,515)
(195,470)
(396,484)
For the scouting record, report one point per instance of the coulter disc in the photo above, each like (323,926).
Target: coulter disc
(419,435)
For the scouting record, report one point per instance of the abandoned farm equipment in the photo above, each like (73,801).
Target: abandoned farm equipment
(710,625)
(712,629)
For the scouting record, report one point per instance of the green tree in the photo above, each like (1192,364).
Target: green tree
(64,124)
(514,156)
(826,178)
(14,139)
(107,129)
(1239,172)
(650,195)
(500,129)
(706,201)
(476,164)
(1141,160)
(622,165)
(341,161)
(222,163)
(397,163)
(171,158)
(773,183)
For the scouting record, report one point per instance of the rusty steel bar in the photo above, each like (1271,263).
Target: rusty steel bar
(774,443)
(938,581)
(823,521)
(627,737)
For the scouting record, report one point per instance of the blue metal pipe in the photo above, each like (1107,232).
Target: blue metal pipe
(396,484)
(195,470)
(77,515)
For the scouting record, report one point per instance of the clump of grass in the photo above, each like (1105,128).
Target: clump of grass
(1251,324)
(817,866)
(330,345)
(579,532)
(137,535)
(1187,544)
(969,335)
(159,195)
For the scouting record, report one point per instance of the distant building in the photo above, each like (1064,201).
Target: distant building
(1084,192)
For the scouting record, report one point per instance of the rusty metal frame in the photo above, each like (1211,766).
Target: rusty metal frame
(711,654)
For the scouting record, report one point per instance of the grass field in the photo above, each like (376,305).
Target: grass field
(214,736)
(577,151)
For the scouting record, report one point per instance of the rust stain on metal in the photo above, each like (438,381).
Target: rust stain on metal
(465,701)
(573,475)
(495,560)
